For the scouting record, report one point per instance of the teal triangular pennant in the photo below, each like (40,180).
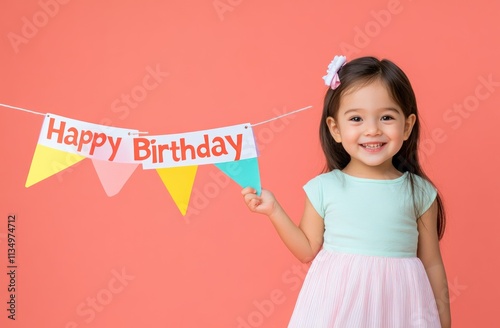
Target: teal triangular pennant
(244,172)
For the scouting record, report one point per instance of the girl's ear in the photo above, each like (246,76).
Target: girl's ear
(409,122)
(334,129)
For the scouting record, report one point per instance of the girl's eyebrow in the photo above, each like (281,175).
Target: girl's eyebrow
(392,109)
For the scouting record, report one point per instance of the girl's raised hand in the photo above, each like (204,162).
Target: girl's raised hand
(264,204)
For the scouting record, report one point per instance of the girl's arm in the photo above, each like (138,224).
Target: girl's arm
(305,240)
(430,255)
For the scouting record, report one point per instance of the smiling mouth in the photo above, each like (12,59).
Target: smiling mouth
(373,145)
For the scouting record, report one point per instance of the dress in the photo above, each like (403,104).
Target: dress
(367,274)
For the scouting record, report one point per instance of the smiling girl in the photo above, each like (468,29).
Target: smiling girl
(373,220)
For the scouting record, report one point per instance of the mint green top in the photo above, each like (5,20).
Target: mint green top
(368,216)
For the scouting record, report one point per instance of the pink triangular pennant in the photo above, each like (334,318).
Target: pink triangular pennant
(113,176)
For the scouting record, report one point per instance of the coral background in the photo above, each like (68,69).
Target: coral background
(132,260)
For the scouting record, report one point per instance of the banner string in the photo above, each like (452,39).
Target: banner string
(282,115)
(44,114)
(263,122)
(23,109)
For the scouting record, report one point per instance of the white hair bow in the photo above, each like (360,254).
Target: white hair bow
(332,77)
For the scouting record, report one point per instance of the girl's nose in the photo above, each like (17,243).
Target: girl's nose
(372,128)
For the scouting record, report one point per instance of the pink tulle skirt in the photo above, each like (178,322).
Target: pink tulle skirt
(344,290)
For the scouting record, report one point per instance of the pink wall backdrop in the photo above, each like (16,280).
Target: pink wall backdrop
(132,260)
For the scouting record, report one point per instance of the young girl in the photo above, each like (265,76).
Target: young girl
(372,222)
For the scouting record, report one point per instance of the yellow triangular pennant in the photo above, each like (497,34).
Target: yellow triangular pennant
(179,182)
(47,162)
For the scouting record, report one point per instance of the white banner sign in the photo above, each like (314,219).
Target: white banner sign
(219,145)
(87,139)
(120,145)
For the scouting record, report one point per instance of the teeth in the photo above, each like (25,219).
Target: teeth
(372,146)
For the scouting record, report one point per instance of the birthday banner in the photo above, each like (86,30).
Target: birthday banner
(117,152)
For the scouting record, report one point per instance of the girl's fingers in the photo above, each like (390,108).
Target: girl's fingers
(254,203)
(249,197)
(248,190)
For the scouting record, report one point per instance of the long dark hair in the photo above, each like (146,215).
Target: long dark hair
(360,72)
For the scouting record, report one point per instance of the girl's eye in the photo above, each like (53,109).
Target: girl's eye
(355,119)
(387,118)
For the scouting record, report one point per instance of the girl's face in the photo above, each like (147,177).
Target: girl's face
(372,128)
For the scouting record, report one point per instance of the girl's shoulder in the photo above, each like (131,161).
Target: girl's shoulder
(423,193)
(330,182)
(330,176)
(422,183)
(339,176)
